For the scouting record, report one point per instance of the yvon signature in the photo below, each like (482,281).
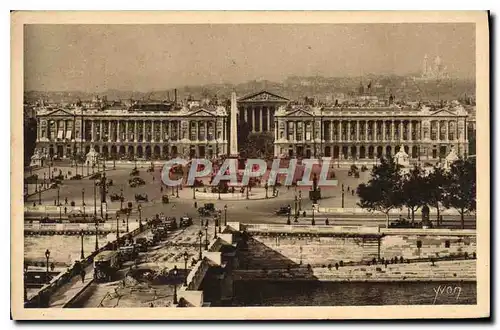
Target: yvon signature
(447,290)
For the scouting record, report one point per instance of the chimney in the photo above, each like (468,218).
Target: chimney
(175,96)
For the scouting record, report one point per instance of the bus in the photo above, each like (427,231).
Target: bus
(106,264)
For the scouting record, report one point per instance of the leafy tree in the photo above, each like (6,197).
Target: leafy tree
(383,191)
(413,190)
(461,191)
(436,186)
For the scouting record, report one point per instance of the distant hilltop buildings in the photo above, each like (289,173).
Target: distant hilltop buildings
(434,70)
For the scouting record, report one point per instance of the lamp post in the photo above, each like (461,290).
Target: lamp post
(194,192)
(25,281)
(83,201)
(186,257)
(300,200)
(82,255)
(312,221)
(175,284)
(40,196)
(200,236)
(206,236)
(95,198)
(296,215)
(139,208)
(127,221)
(216,222)
(96,234)
(342,195)
(44,181)
(266,187)
(117,231)
(47,256)
(225,215)
(177,192)
(58,194)
(288,215)
(121,199)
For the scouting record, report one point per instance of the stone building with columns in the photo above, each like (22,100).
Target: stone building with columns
(258,110)
(364,133)
(139,131)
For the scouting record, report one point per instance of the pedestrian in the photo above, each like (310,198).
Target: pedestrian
(66,200)
(353,192)
(195,205)
(82,274)
(55,202)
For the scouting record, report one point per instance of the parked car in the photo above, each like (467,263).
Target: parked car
(135,182)
(185,222)
(116,197)
(141,198)
(283,210)
(142,244)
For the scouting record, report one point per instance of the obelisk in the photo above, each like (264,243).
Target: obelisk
(233,143)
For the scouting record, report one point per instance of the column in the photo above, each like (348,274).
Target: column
(393,129)
(109,130)
(152,131)
(93,131)
(447,123)
(268,122)
(136,130)
(366,129)
(340,130)
(383,130)
(357,130)
(126,131)
(410,131)
(261,119)
(161,133)
(348,130)
(144,130)
(438,130)
(101,130)
(331,131)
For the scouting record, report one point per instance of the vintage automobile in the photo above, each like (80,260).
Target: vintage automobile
(153,238)
(170,223)
(128,252)
(134,172)
(283,210)
(135,182)
(116,197)
(141,198)
(185,221)
(203,212)
(106,265)
(142,244)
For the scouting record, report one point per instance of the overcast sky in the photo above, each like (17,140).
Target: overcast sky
(154,57)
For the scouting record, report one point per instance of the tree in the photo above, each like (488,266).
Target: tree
(259,145)
(436,186)
(383,191)
(413,190)
(461,190)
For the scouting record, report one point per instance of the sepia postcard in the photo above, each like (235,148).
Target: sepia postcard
(250,165)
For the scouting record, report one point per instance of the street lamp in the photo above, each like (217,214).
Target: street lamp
(139,208)
(342,195)
(177,191)
(83,201)
(194,192)
(117,231)
(25,281)
(95,197)
(82,255)
(216,223)
(200,236)
(96,234)
(127,221)
(47,256)
(206,235)
(289,209)
(225,215)
(312,222)
(186,257)
(121,199)
(58,192)
(175,284)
